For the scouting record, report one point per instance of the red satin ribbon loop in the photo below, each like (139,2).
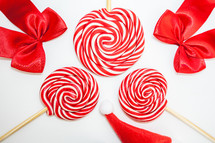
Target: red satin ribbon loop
(177,28)
(26,50)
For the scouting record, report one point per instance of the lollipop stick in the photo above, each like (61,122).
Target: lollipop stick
(109,5)
(192,125)
(23,124)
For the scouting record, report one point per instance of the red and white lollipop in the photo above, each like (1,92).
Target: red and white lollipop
(109,42)
(142,94)
(69,93)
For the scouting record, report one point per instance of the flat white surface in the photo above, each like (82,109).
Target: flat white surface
(192,96)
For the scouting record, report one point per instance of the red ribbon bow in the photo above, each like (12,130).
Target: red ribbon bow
(176,28)
(26,50)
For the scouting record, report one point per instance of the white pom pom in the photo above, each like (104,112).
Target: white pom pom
(106,107)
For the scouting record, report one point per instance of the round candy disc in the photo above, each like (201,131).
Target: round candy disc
(108,43)
(142,94)
(69,93)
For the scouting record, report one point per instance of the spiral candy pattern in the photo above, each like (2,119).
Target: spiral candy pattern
(142,94)
(69,93)
(108,43)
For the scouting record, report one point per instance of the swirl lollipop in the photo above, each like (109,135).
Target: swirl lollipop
(142,95)
(109,42)
(69,93)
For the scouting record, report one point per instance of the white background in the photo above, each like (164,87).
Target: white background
(192,96)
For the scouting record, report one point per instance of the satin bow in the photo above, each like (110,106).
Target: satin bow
(177,28)
(26,50)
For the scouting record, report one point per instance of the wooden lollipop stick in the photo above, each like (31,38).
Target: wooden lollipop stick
(23,124)
(109,5)
(192,125)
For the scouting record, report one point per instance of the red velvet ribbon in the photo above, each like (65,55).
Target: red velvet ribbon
(26,50)
(177,28)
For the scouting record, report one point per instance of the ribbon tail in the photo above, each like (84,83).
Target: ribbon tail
(184,63)
(193,14)
(30,58)
(56,25)
(23,14)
